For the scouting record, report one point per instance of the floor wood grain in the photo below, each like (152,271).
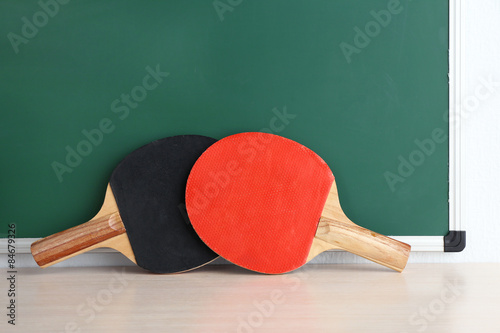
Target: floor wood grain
(224,298)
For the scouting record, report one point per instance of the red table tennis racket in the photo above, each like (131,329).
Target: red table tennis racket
(143,213)
(270,204)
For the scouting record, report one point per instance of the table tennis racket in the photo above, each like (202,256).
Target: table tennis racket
(270,204)
(143,215)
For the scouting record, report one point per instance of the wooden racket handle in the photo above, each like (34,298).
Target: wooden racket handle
(98,232)
(365,243)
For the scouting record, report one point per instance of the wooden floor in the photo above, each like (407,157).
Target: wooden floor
(222,298)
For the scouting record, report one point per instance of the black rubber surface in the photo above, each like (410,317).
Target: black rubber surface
(149,187)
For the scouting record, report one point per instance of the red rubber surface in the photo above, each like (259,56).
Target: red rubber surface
(256,199)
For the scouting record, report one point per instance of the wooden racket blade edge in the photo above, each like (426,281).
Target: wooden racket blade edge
(336,232)
(105,230)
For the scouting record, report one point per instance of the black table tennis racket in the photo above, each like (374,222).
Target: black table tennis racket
(143,215)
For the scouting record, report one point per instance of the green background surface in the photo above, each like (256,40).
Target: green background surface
(225,76)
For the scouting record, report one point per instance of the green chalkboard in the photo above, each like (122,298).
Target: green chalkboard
(362,83)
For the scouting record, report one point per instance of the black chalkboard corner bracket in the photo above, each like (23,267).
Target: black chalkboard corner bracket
(454,241)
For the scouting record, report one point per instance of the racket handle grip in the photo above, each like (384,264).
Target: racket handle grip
(98,232)
(365,243)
